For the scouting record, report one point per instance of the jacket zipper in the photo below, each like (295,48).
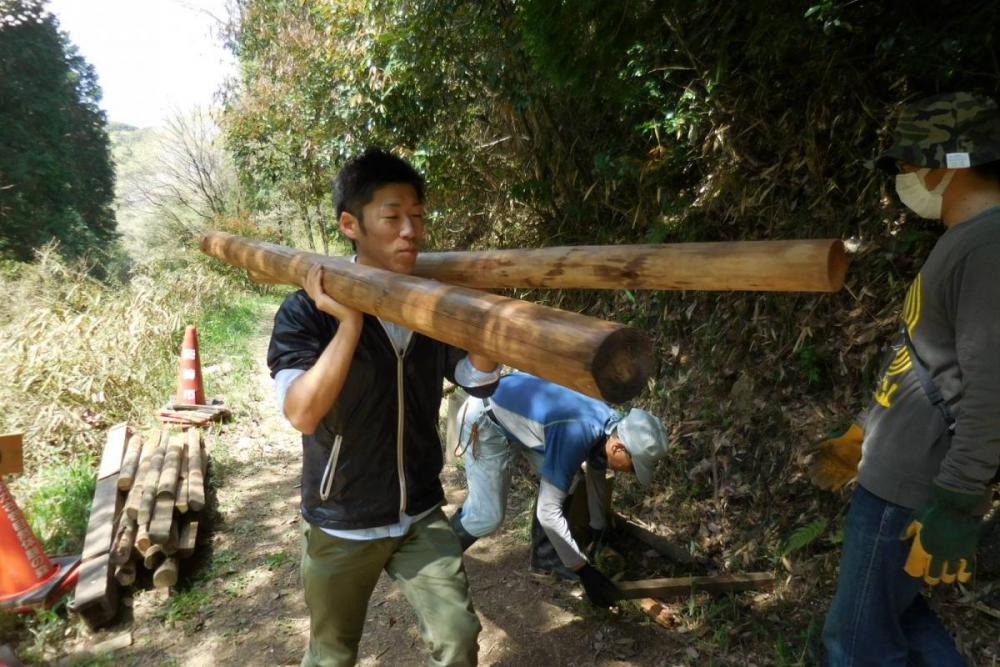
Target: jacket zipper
(400,414)
(326,484)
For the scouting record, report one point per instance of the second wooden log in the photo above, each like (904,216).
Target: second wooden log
(773,266)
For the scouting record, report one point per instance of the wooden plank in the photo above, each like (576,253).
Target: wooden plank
(662,545)
(684,586)
(153,557)
(196,468)
(163,517)
(11,454)
(114,450)
(130,464)
(97,591)
(167,486)
(103,512)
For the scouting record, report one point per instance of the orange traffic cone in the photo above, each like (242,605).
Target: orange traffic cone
(28,577)
(190,389)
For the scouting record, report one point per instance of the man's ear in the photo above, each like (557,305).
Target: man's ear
(350,226)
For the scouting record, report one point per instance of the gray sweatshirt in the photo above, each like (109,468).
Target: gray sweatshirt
(952,311)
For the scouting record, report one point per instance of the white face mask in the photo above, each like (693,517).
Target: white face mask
(913,192)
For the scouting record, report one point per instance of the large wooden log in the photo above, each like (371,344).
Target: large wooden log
(601,359)
(773,266)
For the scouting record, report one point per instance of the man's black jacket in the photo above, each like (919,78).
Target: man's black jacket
(364,473)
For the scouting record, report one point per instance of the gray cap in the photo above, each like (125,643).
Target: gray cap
(646,440)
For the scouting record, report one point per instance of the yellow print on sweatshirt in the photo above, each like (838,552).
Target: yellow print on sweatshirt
(902,362)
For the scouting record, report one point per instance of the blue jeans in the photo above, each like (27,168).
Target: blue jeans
(878,616)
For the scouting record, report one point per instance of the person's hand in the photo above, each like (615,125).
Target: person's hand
(945,533)
(600,590)
(835,461)
(314,288)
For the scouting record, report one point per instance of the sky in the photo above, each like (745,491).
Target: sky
(153,58)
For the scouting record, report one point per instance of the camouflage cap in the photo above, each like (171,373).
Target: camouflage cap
(951,131)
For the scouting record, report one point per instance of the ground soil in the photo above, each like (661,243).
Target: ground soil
(239,601)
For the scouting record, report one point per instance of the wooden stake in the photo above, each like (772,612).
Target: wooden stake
(151,443)
(126,478)
(774,266)
(163,517)
(125,541)
(167,485)
(187,538)
(170,546)
(152,478)
(125,573)
(185,480)
(166,574)
(153,557)
(598,358)
(662,545)
(684,586)
(142,541)
(196,470)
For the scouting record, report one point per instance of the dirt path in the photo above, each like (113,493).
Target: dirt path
(240,601)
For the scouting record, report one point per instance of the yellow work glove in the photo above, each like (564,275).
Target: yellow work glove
(945,532)
(835,461)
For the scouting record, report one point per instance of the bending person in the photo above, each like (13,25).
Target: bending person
(557,430)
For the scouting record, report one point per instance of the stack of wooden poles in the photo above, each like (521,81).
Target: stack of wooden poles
(163,473)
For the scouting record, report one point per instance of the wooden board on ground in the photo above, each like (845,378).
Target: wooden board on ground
(684,586)
(101,525)
(11,455)
(662,545)
(96,598)
(114,450)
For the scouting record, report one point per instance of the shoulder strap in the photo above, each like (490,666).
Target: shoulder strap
(927,382)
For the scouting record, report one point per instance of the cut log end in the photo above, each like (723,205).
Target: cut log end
(836,266)
(623,364)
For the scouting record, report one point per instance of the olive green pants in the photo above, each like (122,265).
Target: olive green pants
(339,576)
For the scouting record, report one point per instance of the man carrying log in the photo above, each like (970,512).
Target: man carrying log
(557,430)
(930,443)
(365,395)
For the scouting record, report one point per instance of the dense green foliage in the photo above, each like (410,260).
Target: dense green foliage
(56,174)
(547,121)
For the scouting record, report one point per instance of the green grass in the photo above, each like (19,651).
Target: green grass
(276,560)
(185,606)
(57,504)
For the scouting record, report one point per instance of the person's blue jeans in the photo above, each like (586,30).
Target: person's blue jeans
(878,616)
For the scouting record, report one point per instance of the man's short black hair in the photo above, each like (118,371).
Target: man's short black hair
(357,182)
